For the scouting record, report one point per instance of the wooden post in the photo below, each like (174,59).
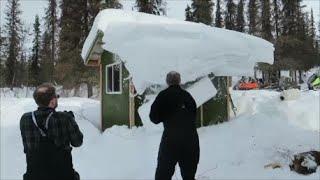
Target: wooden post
(228,98)
(201,116)
(131,104)
(101,94)
(255,73)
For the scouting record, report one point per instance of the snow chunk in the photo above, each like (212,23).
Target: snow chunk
(290,94)
(162,45)
(202,91)
(309,162)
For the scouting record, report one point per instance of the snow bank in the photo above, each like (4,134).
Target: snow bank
(262,133)
(28,92)
(301,111)
(162,44)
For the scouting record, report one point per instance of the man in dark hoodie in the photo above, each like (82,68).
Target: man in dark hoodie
(47,137)
(176,109)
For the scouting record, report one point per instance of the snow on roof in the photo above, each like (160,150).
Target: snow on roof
(150,46)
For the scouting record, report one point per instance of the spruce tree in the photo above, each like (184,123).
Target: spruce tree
(318,44)
(295,48)
(218,19)
(75,23)
(291,16)
(312,29)
(188,13)
(276,17)
(34,70)
(202,11)
(115,4)
(240,22)
(22,63)
(230,15)
(2,44)
(70,66)
(2,59)
(47,66)
(266,27)
(51,34)
(90,75)
(22,70)
(253,17)
(156,7)
(13,29)
(307,58)
(92,9)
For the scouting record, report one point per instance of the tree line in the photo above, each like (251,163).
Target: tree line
(285,23)
(55,54)
(56,48)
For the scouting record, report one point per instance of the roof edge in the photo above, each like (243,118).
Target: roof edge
(98,35)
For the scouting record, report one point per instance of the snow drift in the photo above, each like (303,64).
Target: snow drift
(151,46)
(266,130)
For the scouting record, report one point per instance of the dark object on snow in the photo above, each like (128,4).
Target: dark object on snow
(47,136)
(310,80)
(306,162)
(314,82)
(176,109)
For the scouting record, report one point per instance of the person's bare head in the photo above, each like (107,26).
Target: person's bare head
(45,95)
(173,78)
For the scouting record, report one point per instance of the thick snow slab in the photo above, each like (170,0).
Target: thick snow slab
(151,46)
(202,91)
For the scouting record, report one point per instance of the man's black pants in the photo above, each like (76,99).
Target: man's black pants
(173,150)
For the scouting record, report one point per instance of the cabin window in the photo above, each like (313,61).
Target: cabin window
(113,78)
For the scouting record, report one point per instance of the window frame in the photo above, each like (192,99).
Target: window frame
(120,78)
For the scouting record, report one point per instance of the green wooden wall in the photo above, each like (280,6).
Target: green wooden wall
(115,107)
(215,110)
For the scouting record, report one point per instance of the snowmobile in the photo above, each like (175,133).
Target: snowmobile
(314,82)
(248,86)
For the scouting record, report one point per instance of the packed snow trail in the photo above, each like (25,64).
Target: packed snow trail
(266,130)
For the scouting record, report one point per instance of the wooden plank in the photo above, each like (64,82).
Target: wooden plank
(201,115)
(131,104)
(228,98)
(93,62)
(101,102)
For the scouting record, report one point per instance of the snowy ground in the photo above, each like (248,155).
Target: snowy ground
(265,130)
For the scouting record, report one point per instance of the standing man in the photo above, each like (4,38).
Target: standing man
(176,109)
(47,135)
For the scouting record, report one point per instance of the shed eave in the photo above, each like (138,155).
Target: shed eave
(91,51)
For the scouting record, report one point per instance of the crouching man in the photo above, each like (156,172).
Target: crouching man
(176,109)
(47,137)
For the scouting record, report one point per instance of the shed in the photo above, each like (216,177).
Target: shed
(135,51)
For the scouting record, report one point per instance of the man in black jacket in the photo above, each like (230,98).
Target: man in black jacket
(47,137)
(176,109)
